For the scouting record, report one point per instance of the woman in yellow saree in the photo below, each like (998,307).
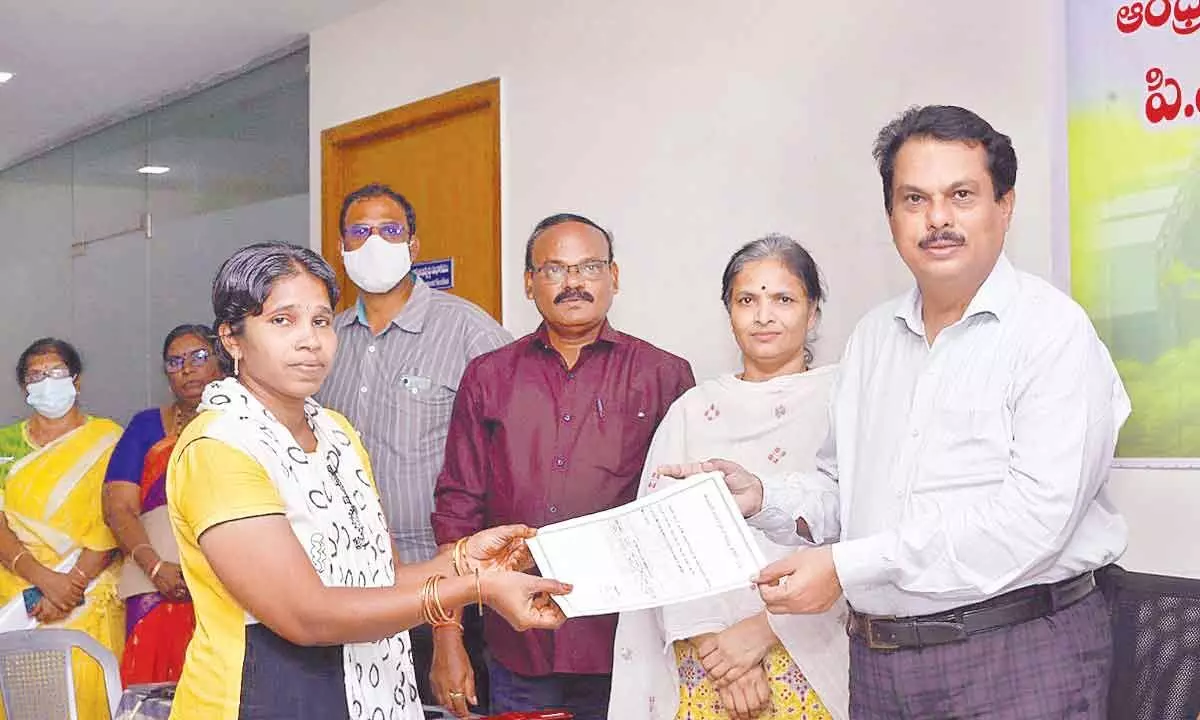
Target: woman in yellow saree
(56,551)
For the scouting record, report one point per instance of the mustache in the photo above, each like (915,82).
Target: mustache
(942,237)
(573,294)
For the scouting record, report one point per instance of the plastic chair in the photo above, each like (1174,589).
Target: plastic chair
(37,677)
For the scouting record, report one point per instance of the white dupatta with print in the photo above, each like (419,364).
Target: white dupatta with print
(337,517)
(770,428)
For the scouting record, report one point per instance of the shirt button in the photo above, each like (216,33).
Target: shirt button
(370,348)
(916,433)
(363,389)
(566,417)
(570,376)
(553,509)
(558,461)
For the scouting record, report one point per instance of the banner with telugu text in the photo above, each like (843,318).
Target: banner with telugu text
(1133,132)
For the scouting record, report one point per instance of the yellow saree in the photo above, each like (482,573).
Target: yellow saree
(51,500)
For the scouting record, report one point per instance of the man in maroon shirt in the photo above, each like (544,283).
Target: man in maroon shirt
(553,426)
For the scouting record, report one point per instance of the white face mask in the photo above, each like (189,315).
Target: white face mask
(378,265)
(52,397)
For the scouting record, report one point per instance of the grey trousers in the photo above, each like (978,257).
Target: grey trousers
(1052,668)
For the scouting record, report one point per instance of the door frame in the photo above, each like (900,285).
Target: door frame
(428,111)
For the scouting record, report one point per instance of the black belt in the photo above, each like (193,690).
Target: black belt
(1011,608)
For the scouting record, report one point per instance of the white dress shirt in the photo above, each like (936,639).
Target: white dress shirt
(957,471)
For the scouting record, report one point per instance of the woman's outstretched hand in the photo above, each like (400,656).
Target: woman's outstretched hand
(524,601)
(500,548)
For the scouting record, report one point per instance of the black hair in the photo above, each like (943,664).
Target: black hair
(560,219)
(792,255)
(49,346)
(375,190)
(246,279)
(202,332)
(947,123)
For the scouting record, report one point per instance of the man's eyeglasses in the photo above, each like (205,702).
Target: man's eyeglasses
(388,231)
(557,272)
(57,372)
(196,358)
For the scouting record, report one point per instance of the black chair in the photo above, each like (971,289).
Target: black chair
(1156,643)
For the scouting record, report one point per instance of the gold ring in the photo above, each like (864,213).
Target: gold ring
(454,694)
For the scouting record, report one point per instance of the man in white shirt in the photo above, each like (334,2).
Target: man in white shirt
(959,501)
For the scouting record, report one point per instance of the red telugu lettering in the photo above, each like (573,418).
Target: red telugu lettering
(1187,17)
(1160,18)
(1157,107)
(1129,17)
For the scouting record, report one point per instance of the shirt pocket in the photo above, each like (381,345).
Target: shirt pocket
(422,389)
(626,428)
(424,401)
(968,446)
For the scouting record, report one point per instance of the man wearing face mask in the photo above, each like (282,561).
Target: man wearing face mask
(402,350)
(555,426)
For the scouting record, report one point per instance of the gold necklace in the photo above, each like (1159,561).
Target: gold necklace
(181,419)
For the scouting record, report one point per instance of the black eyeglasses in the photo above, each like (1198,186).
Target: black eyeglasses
(196,358)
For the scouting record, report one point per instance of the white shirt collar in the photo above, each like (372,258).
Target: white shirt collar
(993,297)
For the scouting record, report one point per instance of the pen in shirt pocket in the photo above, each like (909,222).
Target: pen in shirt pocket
(600,408)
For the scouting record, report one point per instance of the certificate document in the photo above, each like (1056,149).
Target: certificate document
(685,542)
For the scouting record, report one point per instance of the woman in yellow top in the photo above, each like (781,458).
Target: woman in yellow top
(56,550)
(301,607)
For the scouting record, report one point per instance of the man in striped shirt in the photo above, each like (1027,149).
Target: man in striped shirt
(402,350)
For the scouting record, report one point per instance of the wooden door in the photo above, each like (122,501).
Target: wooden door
(443,154)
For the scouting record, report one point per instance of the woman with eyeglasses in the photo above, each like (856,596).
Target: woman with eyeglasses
(159,620)
(56,551)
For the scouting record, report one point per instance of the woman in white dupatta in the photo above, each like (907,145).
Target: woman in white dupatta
(725,657)
(301,606)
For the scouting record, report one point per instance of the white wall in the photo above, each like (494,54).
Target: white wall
(117,301)
(691,127)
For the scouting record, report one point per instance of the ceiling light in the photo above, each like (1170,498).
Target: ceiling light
(154,169)
(5,77)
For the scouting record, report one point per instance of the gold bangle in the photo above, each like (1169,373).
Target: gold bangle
(427,601)
(157,566)
(12,564)
(423,598)
(133,552)
(459,553)
(478,594)
(431,604)
(442,616)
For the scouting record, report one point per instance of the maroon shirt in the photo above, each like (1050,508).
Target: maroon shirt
(533,442)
